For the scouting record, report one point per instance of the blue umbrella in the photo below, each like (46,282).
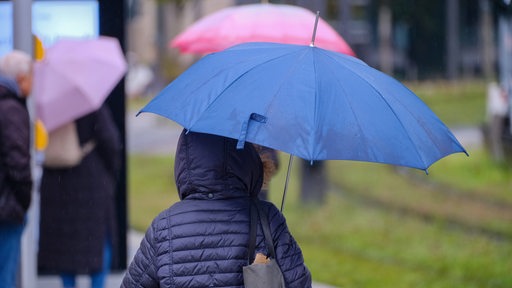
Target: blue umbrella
(310,102)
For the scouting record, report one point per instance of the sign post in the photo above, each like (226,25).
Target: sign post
(22,40)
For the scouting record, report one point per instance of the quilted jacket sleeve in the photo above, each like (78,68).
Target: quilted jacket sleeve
(142,270)
(288,253)
(15,171)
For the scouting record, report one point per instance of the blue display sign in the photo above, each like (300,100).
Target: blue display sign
(52,20)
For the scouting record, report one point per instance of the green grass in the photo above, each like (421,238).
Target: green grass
(381,226)
(459,170)
(348,245)
(151,188)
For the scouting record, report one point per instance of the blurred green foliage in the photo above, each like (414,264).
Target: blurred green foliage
(455,103)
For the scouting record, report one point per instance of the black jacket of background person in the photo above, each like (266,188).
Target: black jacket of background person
(15,169)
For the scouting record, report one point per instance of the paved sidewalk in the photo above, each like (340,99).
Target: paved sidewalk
(114,279)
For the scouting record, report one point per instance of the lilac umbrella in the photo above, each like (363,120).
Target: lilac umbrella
(75,78)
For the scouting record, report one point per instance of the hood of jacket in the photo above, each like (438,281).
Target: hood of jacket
(211,167)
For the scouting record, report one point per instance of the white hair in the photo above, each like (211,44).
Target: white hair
(15,63)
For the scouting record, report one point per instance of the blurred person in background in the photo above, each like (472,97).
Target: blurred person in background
(77,223)
(15,160)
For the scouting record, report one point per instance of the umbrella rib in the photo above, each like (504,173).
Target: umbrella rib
(390,107)
(315,118)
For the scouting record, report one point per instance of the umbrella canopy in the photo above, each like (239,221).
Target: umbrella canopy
(262,22)
(306,101)
(75,77)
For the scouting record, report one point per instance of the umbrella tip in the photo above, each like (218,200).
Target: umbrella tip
(314,29)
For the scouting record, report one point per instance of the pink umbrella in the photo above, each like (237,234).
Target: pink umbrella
(261,22)
(75,78)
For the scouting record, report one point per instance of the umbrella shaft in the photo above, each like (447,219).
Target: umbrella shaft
(286,181)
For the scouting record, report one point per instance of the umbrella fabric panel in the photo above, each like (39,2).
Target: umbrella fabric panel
(209,93)
(385,107)
(52,90)
(362,117)
(64,58)
(421,127)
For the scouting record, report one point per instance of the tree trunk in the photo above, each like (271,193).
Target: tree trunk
(385,39)
(313,181)
(452,39)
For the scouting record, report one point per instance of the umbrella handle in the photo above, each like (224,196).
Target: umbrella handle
(286,181)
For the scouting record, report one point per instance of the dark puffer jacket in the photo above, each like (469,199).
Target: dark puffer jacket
(15,170)
(202,240)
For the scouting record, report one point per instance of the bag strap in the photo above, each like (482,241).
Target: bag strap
(252,232)
(266,230)
(255,211)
